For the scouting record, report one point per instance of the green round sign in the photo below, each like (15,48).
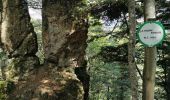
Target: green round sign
(151,33)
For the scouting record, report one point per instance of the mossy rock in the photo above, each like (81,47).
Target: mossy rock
(49,84)
(20,68)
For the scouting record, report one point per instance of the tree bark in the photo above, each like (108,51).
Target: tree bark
(64,38)
(65,30)
(131,49)
(150,57)
(0,21)
(19,39)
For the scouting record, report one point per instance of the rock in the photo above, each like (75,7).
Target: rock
(49,84)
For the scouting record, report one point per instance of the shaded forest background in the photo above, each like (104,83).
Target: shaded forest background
(107,50)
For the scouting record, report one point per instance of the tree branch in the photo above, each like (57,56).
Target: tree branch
(139,72)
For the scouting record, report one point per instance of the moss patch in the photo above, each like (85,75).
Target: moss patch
(49,84)
(6,87)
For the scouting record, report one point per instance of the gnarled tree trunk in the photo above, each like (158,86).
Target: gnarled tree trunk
(19,39)
(64,38)
(65,30)
(20,44)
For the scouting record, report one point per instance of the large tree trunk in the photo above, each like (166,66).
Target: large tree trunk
(64,38)
(65,30)
(150,57)
(19,39)
(20,44)
(131,49)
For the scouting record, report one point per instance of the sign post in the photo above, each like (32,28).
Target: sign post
(151,33)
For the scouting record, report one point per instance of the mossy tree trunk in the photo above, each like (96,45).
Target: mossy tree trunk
(65,30)
(18,39)
(64,38)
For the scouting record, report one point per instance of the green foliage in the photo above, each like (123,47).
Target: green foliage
(108,75)
(10,86)
(107,78)
(111,8)
(6,87)
(103,69)
(2,90)
(3,55)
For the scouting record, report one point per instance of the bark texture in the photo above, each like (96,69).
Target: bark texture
(131,49)
(20,44)
(150,57)
(65,30)
(18,38)
(0,21)
(64,38)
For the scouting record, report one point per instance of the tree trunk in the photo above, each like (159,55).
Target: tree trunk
(65,30)
(131,49)
(64,38)
(150,57)
(20,44)
(84,77)
(19,39)
(0,21)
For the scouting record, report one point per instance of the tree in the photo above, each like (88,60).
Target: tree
(64,75)
(150,56)
(64,24)
(21,51)
(131,49)
(163,16)
(0,19)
